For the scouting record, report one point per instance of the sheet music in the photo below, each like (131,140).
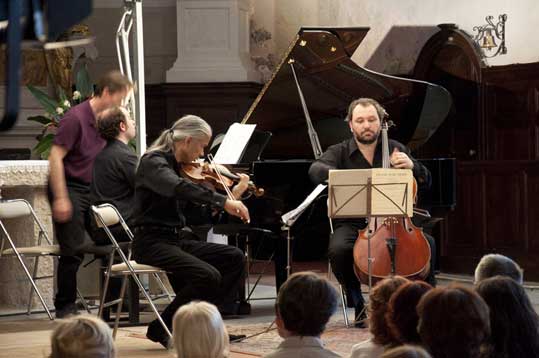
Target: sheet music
(393,183)
(390,193)
(234,143)
(290,217)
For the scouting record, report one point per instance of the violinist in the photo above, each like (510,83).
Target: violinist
(197,270)
(362,151)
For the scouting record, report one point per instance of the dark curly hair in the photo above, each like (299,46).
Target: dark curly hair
(513,321)
(109,121)
(454,322)
(365,102)
(401,314)
(305,303)
(378,304)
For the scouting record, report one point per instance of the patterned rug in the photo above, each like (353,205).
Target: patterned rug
(337,338)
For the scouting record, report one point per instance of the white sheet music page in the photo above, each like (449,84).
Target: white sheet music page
(290,217)
(234,143)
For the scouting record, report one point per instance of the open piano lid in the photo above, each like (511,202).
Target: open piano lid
(330,80)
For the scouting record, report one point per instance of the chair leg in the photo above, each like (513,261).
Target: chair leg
(34,285)
(120,304)
(31,291)
(152,305)
(105,287)
(343,305)
(83,301)
(162,286)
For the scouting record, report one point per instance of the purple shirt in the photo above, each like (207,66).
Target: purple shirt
(77,132)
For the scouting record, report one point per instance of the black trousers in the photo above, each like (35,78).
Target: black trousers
(197,270)
(340,253)
(72,238)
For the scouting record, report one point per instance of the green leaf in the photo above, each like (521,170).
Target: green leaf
(46,101)
(62,95)
(40,119)
(83,84)
(44,144)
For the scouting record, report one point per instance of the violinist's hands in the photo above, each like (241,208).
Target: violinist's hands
(242,185)
(236,208)
(62,209)
(400,160)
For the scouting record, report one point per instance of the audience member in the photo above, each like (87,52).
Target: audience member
(82,336)
(199,331)
(495,264)
(454,322)
(514,323)
(401,314)
(304,305)
(377,308)
(406,351)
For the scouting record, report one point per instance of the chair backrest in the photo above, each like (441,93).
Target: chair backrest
(16,208)
(108,215)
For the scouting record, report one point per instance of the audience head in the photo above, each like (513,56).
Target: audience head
(116,123)
(378,304)
(406,351)
(199,331)
(82,337)
(453,322)
(401,314)
(305,304)
(495,264)
(514,323)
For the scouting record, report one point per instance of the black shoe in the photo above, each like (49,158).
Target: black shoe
(68,310)
(236,337)
(360,315)
(156,333)
(244,308)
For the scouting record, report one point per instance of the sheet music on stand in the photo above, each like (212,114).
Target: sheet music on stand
(234,143)
(290,217)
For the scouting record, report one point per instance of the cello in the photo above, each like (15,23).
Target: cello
(397,246)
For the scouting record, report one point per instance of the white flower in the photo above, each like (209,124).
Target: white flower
(59,110)
(76,95)
(67,104)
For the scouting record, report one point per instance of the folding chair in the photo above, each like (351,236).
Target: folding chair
(18,208)
(107,215)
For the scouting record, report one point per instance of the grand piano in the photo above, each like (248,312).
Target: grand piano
(329,81)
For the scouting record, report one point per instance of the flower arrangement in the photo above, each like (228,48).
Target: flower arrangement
(55,109)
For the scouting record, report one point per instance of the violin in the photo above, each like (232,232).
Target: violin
(398,247)
(216,176)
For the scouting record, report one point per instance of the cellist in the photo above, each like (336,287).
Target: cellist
(362,151)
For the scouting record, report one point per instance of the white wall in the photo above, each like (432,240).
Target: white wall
(413,22)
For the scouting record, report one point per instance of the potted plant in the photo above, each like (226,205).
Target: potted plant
(56,108)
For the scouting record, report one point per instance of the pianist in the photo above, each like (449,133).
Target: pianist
(362,151)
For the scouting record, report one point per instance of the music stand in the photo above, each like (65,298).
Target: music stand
(369,193)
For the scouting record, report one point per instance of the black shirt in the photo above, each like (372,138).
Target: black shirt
(346,155)
(161,194)
(113,178)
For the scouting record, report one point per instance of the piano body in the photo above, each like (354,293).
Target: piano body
(330,80)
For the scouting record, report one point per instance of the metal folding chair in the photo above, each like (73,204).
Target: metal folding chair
(18,208)
(107,215)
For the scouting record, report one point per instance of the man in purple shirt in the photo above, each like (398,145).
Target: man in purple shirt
(75,146)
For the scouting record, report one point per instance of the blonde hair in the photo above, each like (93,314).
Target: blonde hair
(187,126)
(199,332)
(82,336)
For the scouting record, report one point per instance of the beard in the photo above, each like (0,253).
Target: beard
(361,138)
